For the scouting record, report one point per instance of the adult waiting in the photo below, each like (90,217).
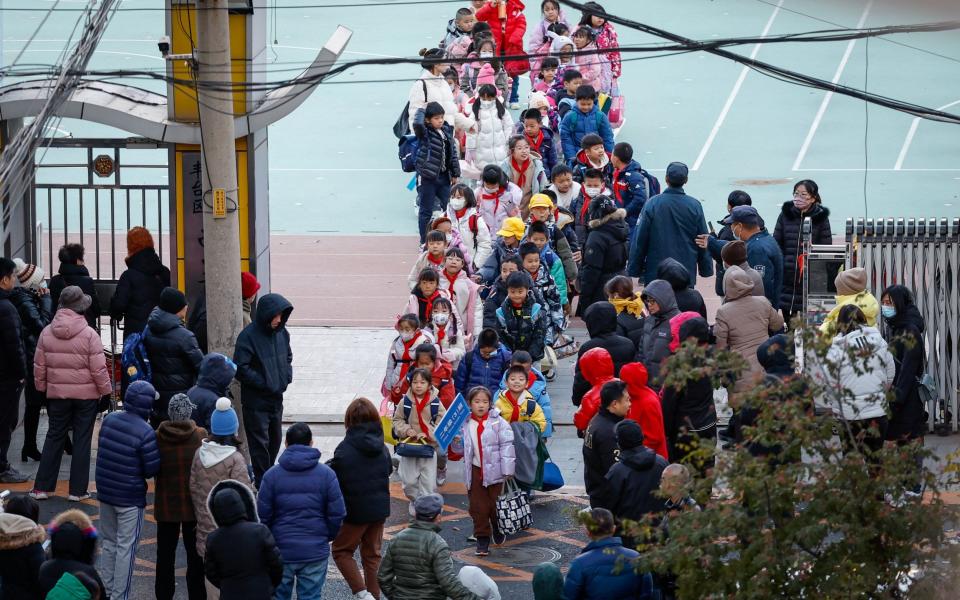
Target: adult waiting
(13,369)
(172,349)
(735,199)
(71,370)
(762,252)
(788,234)
(602,326)
(139,287)
(73,272)
(661,304)
(668,226)
(905,336)
(431,86)
(264,362)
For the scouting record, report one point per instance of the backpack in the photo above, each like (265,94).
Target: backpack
(650,183)
(576,118)
(402,127)
(134,360)
(434,408)
(407,149)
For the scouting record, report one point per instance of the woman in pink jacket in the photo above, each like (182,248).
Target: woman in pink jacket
(69,366)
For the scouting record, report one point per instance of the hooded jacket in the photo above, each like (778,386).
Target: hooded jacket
(212,464)
(857,373)
(596,367)
(743,323)
(13,361)
(216,373)
(604,256)
(79,276)
(263,355)
(907,412)
(677,275)
(363,467)
(498,458)
(138,290)
(241,557)
(666,228)
(73,547)
(177,442)
(21,554)
(174,354)
(510,38)
(632,481)
(645,407)
(656,329)
(598,573)
(601,321)
(865,301)
(576,124)
(69,360)
(127,452)
(788,236)
(300,501)
(35,314)
(417,565)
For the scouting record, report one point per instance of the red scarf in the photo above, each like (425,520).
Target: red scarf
(480,424)
(420,405)
(586,203)
(485,195)
(520,170)
(428,305)
(616,186)
(535,143)
(452,279)
(531,379)
(435,261)
(460,212)
(441,333)
(515,403)
(405,358)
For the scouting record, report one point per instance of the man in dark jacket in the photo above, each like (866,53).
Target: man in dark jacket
(139,287)
(73,272)
(600,442)
(417,564)
(484,365)
(601,321)
(241,557)
(13,370)
(264,369)
(127,456)
(605,250)
(662,305)
(633,480)
(216,373)
(301,503)
(677,275)
(172,349)
(668,227)
(735,199)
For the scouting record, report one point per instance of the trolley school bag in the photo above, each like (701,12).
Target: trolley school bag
(134,360)
(402,127)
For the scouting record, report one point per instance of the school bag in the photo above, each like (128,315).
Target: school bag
(650,183)
(402,127)
(134,360)
(407,149)
(576,118)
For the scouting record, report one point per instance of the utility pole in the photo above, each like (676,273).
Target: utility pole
(221,232)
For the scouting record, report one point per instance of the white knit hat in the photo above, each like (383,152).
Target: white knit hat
(30,276)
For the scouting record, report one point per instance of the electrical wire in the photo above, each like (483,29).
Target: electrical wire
(257,7)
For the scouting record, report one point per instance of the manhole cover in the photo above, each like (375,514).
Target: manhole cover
(519,556)
(782,181)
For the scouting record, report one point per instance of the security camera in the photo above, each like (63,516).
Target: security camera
(164,45)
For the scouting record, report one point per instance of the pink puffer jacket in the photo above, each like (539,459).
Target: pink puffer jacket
(69,362)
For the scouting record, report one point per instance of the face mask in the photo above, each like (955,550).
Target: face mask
(458,203)
(491,191)
(593,191)
(440,318)
(888,312)
(486,55)
(486,103)
(736,235)
(407,335)
(449,237)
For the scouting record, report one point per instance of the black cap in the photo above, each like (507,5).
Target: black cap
(629,435)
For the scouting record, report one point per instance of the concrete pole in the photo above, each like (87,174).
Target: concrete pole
(221,233)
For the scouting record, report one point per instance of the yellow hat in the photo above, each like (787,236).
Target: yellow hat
(541,201)
(512,227)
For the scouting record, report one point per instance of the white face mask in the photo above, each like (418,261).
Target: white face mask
(449,237)
(491,191)
(407,335)
(440,318)
(486,55)
(458,203)
(487,103)
(593,191)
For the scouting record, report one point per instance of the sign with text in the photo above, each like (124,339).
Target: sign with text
(452,422)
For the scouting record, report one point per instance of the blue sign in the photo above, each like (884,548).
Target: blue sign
(452,422)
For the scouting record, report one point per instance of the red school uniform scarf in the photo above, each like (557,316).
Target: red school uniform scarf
(451,280)
(485,195)
(480,423)
(535,142)
(405,359)
(426,304)
(515,403)
(521,171)
(419,405)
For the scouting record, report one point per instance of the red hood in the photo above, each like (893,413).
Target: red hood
(635,375)
(596,366)
(675,324)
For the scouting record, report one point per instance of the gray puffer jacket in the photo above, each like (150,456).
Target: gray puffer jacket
(655,345)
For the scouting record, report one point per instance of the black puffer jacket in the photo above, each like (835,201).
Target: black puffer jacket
(604,256)
(437,151)
(35,314)
(13,365)
(79,276)
(787,235)
(216,373)
(907,413)
(363,467)
(632,481)
(601,321)
(174,356)
(138,290)
(677,275)
(263,355)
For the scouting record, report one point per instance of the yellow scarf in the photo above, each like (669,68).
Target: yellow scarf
(634,305)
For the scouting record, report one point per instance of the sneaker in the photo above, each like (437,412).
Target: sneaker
(499,538)
(472,538)
(12,475)
(38,495)
(514,106)
(363,595)
(412,511)
(80,498)
(483,546)
(441,477)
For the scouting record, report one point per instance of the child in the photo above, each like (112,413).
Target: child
(552,13)
(73,549)
(645,407)
(465,294)
(400,359)
(416,418)
(508,241)
(536,385)
(497,291)
(21,549)
(516,403)
(430,258)
(485,68)
(426,356)
(549,119)
(585,118)
(606,37)
(465,216)
(563,48)
(563,185)
(438,162)
(488,460)
(444,225)
(509,36)
(497,197)
(562,240)
(447,328)
(485,365)
(538,235)
(476,5)
(127,456)
(487,144)
(216,373)
(594,67)
(540,139)
(525,170)
(457,38)
(546,72)
(594,186)
(544,283)
(424,294)
(564,96)
(630,182)
(596,366)
(522,322)
(592,155)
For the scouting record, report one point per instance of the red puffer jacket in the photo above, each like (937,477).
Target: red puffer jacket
(596,365)
(69,362)
(645,407)
(511,40)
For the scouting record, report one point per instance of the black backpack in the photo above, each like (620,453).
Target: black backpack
(402,127)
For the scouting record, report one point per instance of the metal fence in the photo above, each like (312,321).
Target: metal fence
(923,255)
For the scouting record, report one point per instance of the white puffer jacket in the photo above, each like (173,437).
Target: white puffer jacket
(479,244)
(858,372)
(437,91)
(487,145)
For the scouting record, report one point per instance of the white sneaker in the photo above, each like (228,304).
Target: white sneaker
(80,498)
(364,595)
(441,477)
(38,495)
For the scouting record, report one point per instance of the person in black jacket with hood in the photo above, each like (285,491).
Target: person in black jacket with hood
(907,412)
(633,480)
(21,550)
(172,349)
(601,321)
(677,275)
(216,373)
(139,287)
(264,369)
(788,234)
(363,467)
(605,250)
(600,441)
(73,549)
(13,369)
(73,272)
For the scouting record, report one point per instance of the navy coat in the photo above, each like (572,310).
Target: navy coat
(603,571)
(174,354)
(138,290)
(216,373)
(667,227)
(475,370)
(363,467)
(127,450)
(437,152)
(263,355)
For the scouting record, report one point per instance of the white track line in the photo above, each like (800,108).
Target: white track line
(909,139)
(829,95)
(733,93)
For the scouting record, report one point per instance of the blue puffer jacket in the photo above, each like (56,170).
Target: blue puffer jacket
(539,392)
(437,152)
(127,452)
(576,124)
(603,570)
(301,503)
(216,373)
(475,370)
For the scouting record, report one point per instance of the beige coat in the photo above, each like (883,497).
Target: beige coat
(212,464)
(409,427)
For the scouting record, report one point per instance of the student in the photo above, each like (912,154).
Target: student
(536,385)
(497,291)
(426,356)
(415,419)
(594,66)
(457,37)
(216,373)
(400,359)
(592,155)
(563,185)
(488,460)
(485,365)
(525,170)
(551,13)
(516,404)
(426,291)
(851,287)
(545,70)
(606,37)
(446,326)
(629,182)
(563,48)
(585,118)
(465,294)
(540,139)
(444,225)
(488,144)
(596,367)
(594,186)
(629,308)
(431,258)
(565,96)
(547,289)
(509,36)
(497,197)
(538,234)
(438,162)
(508,242)
(21,548)
(633,481)
(645,407)
(522,322)
(127,456)
(301,503)
(465,216)
(485,68)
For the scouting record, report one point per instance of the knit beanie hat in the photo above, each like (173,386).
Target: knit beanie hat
(138,238)
(72,297)
(629,435)
(734,253)
(180,407)
(224,420)
(30,276)
(559,42)
(172,300)
(851,282)
(249,286)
